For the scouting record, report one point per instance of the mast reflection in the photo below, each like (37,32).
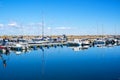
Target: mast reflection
(43,63)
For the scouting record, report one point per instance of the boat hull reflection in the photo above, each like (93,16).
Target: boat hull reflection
(78,48)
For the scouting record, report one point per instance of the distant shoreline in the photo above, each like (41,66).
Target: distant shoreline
(70,37)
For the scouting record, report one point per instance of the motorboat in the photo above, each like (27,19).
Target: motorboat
(99,41)
(85,42)
(75,42)
(37,41)
(79,42)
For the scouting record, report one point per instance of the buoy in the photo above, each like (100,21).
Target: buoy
(18,49)
(67,45)
(41,47)
(61,45)
(34,47)
(55,46)
(48,46)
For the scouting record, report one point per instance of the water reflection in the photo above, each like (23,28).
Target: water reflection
(85,47)
(61,64)
(106,46)
(43,63)
(42,57)
(19,52)
(78,48)
(3,59)
(75,48)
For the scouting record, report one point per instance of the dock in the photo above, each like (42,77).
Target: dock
(24,47)
(47,44)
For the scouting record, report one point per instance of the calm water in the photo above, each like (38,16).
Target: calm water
(62,63)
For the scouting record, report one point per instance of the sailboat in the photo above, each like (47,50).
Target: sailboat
(39,40)
(100,41)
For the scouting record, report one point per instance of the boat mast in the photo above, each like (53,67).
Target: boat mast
(97,30)
(102,31)
(115,30)
(22,30)
(42,26)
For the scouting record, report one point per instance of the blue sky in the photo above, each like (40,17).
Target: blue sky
(77,17)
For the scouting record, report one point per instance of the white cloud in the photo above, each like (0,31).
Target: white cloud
(63,28)
(13,24)
(39,24)
(1,25)
(35,24)
(48,28)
